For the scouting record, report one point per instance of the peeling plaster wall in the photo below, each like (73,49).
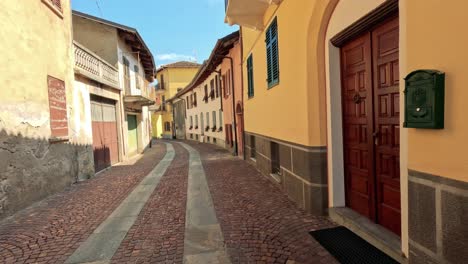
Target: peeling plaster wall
(36,42)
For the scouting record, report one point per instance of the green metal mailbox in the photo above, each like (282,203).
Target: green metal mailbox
(424,99)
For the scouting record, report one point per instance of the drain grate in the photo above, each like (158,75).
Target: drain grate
(349,248)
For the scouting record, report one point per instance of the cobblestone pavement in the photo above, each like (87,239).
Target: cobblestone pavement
(258,222)
(50,231)
(158,234)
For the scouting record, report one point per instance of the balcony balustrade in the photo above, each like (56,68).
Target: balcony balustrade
(92,66)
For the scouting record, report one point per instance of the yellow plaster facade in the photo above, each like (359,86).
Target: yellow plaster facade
(175,79)
(37,43)
(305,107)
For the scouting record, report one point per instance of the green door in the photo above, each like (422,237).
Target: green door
(132,135)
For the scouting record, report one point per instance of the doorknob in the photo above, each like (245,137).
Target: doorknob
(376,137)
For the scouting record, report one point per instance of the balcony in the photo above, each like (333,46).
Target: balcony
(248,13)
(92,66)
(143,95)
(160,89)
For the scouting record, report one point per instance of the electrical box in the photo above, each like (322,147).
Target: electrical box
(424,99)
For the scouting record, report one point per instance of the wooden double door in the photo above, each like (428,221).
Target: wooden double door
(371,124)
(105,139)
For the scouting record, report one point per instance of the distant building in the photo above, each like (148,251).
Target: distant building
(123,66)
(233,97)
(204,96)
(171,79)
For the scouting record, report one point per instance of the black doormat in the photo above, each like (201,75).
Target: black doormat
(348,248)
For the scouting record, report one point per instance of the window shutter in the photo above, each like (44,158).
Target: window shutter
(272,53)
(250,82)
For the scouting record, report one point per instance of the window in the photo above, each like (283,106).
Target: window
(188,104)
(162,82)
(275,159)
(207,120)
(253,151)
(250,80)
(214,119)
(55,6)
(212,90)
(167,126)
(217,86)
(126,64)
(195,99)
(272,54)
(196,121)
(206,94)
(220,120)
(227,86)
(191,122)
(57,107)
(137,76)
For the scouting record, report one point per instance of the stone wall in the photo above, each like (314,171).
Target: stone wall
(438,217)
(31,169)
(303,175)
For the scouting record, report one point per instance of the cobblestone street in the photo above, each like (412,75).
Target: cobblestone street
(166,207)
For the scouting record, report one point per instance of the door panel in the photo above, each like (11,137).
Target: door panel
(371,124)
(132,135)
(387,121)
(358,123)
(105,139)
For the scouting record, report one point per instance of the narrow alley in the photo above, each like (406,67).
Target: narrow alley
(167,207)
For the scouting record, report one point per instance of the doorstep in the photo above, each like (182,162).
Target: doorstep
(376,235)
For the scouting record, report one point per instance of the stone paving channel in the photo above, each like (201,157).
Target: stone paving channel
(180,202)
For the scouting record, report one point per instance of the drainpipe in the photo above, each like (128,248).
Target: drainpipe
(233,101)
(242,93)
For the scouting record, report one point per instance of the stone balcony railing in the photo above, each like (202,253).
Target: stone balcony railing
(94,67)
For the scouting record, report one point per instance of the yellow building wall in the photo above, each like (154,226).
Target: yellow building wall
(36,42)
(293,106)
(174,79)
(435,40)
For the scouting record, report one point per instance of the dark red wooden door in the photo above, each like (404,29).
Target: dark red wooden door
(370,96)
(358,125)
(387,123)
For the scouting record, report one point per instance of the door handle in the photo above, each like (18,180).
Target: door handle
(376,137)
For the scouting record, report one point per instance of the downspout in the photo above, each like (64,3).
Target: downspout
(242,92)
(174,130)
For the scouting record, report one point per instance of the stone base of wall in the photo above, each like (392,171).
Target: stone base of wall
(438,217)
(32,169)
(219,142)
(303,175)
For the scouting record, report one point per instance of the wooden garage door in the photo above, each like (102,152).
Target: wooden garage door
(105,140)
(370,94)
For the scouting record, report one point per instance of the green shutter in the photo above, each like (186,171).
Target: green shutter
(250,76)
(272,54)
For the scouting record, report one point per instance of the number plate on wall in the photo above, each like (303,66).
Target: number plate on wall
(424,99)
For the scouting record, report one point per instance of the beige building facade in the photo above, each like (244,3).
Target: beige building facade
(124,51)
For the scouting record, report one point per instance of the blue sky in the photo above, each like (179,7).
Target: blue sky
(173,29)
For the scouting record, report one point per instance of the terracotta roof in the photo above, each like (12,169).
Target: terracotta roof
(180,64)
(132,38)
(220,50)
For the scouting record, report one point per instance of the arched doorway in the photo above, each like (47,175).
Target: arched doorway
(240,128)
(338,17)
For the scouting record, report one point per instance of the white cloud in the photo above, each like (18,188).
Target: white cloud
(174,57)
